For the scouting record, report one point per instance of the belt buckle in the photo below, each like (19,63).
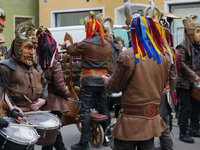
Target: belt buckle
(150,110)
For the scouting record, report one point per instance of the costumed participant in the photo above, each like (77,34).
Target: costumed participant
(189,51)
(4,82)
(94,50)
(141,74)
(166,105)
(57,90)
(27,87)
(107,24)
(121,42)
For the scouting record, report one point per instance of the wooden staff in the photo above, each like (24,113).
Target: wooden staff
(23,125)
(36,112)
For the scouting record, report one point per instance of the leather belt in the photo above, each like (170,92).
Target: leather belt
(94,72)
(148,110)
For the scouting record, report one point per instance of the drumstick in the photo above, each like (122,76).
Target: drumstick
(24,125)
(29,118)
(27,99)
(35,112)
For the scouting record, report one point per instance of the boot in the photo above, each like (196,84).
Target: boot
(80,146)
(194,133)
(158,148)
(59,144)
(194,130)
(183,136)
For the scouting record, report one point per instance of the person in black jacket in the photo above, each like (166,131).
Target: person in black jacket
(94,50)
(189,51)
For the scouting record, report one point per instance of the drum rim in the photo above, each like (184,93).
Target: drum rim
(47,128)
(14,140)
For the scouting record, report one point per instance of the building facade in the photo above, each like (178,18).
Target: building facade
(60,13)
(16,12)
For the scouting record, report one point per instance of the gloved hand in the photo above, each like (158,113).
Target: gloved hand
(15,113)
(3,123)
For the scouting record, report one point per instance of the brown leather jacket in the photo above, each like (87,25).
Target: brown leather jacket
(56,102)
(94,56)
(141,84)
(25,82)
(115,50)
(188,72)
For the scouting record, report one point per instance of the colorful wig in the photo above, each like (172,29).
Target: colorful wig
(147,38)
(92,25)
(47,46)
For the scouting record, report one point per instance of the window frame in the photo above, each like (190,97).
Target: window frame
(53,13)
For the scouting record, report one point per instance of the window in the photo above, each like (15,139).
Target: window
(72,18)
(19,20)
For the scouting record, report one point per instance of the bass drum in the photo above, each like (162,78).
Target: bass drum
(17,137)
(108,135)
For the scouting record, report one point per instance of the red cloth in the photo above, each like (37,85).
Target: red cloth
(174,98)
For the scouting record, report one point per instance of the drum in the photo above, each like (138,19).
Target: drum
(195,93)
(17,137)
(74,106)
(47,125)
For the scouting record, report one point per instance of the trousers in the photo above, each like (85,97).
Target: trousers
(166,139)
(188,107)
(86,103)
(131,145)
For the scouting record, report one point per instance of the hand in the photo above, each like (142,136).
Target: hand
(3,123)
(40,102)
(67,43)
(105,77)
(20,111)
(16,115)
(197,80)
(77,42)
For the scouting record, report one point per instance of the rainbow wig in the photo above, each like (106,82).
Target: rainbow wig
(145,39)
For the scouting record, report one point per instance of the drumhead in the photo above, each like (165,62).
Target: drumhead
(19,134)
(44,121)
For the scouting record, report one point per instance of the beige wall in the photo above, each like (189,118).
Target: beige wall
(109,6)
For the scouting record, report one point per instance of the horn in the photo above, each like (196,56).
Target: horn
(86,20)
(2,13)
(152,7)
(25,30)
(127,12)
(107,18)
(156,13)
